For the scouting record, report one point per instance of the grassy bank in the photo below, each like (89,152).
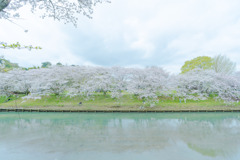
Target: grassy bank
(106,103)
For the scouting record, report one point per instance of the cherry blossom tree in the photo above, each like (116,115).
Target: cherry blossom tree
(102,80)
(14,82)
(222,64)
(146,84)
(62,10)
(201,84)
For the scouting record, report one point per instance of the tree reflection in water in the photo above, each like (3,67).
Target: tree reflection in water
(211,135)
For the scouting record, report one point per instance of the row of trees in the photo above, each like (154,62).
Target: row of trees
(6,65)
(147,84)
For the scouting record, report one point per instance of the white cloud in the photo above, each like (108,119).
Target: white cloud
(45,33)
(147,32)
(145,46)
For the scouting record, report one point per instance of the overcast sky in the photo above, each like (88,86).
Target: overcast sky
(130,33)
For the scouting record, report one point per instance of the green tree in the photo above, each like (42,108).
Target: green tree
(6,65)
(59,64)
(202,62)
(46,64)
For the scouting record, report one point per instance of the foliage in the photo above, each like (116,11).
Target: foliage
(222,64)
(147,85)
(6,65)
(59,64)
(34,67)
(202,62)
(46,64)
(17,46)
(85,81)
(201,84)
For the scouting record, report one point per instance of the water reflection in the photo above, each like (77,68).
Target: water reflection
(180,136)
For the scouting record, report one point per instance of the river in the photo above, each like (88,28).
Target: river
(119,136)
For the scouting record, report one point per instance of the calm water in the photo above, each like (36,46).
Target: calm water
(119,136)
